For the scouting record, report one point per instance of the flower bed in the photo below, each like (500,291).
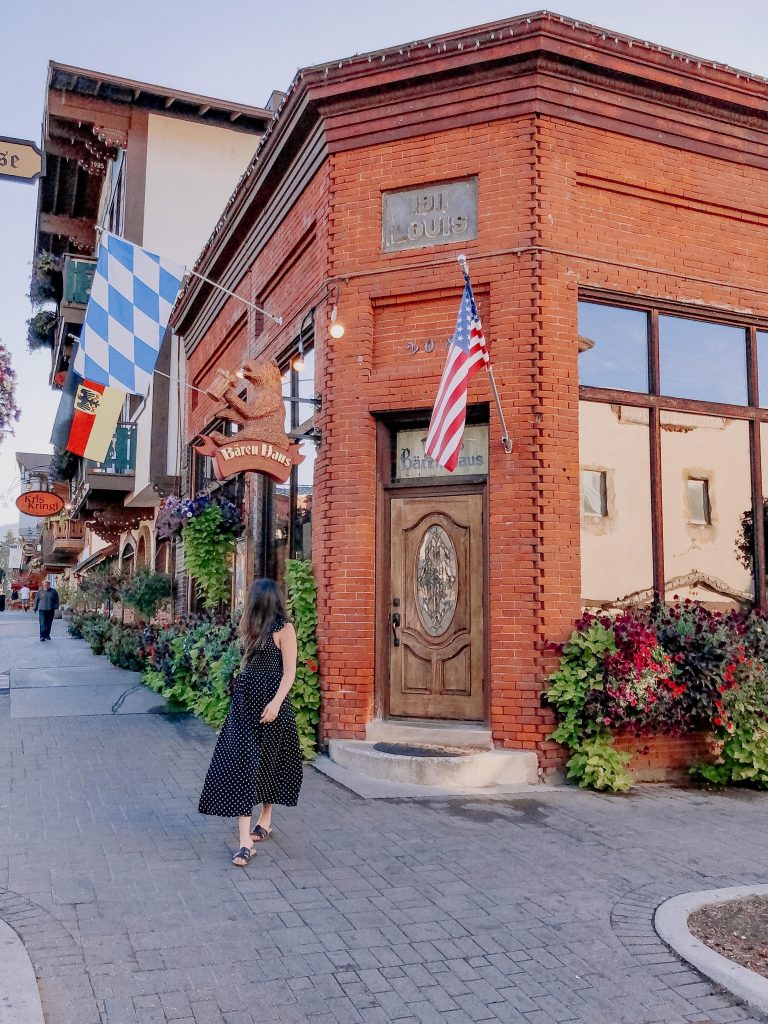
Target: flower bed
(194,660)
(628,681)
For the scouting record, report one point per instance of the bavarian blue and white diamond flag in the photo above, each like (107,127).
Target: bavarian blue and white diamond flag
(132,296)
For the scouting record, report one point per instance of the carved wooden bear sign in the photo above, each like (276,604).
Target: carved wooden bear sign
(261,445)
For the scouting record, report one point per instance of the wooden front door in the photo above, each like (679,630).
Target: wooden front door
(436,607)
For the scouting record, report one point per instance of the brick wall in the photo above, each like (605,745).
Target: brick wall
(605,210)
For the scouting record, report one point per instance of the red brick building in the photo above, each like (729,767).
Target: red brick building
(612,199)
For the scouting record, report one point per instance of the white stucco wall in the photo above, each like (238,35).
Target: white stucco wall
(192,170)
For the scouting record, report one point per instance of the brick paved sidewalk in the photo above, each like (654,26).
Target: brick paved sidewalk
(530,910)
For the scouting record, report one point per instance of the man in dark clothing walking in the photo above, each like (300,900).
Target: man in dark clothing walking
(46,603)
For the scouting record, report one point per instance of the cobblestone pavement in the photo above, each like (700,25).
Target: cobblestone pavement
(530,910)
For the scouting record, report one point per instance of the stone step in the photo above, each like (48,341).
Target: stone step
(467,735)
(442,767)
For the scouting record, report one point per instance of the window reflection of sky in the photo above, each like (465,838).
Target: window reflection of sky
(762,367)
(619,356)
(703,361)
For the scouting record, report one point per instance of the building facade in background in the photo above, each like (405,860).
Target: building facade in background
(609,195)
(155,166)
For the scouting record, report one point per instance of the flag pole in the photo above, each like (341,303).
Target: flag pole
(506,440)
(100,229)
(234,295)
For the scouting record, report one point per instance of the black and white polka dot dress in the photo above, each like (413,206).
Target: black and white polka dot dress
(255,763)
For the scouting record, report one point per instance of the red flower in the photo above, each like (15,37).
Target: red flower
(312,665)
(717,720)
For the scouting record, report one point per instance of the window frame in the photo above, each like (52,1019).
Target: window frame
(301,425)
(656,403)
(706,501)
(603,474)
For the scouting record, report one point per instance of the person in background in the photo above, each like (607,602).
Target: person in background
(25,595)
(46,603)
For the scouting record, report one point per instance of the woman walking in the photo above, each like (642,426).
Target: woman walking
(257,759)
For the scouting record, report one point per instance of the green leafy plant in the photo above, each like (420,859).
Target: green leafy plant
(208,554)
(46,282)
(95,629)
(305,692)
(122,646)
(594,761)
(102,586)
(740,720)
(146,592)
(40,329)
(63,465)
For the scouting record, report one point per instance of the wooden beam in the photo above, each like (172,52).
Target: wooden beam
(79,230)
(88,109)
(67,150)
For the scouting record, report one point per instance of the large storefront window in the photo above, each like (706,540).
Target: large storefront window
(673,431)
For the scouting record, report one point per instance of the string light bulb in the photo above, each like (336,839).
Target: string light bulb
(240,374)
(336,328)
(297,363)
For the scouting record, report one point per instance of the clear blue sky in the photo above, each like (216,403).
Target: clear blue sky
(242,51)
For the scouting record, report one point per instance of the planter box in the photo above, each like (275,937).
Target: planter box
(666,758)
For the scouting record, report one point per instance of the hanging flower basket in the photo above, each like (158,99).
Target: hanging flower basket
(208,525)
(176,513)
(41,329)
(46,283)
(9,411)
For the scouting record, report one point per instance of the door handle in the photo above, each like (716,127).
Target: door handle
(395,618)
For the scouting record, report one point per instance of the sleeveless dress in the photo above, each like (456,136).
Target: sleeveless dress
(255,763)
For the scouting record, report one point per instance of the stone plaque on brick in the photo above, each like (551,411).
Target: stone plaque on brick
(429,215)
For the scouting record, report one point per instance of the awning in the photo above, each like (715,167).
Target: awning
(93,560)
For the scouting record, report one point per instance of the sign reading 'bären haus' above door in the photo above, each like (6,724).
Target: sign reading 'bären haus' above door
(429,215)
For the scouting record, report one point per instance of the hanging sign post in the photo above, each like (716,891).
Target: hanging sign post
(20,160)
(261,445)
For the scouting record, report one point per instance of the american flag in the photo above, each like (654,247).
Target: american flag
(467,354)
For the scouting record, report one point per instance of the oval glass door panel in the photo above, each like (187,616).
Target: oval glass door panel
(436,581)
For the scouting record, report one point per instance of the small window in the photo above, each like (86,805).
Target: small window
(699,510)
(594,493)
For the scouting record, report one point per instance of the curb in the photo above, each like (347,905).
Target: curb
(19,995)
(671,924)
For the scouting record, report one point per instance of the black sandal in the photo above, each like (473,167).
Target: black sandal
(243,854)
(260,833)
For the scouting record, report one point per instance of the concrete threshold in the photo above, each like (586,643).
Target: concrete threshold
(371,788)
(671,923)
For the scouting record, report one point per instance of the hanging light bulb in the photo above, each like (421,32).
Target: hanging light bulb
(298,360)
(337,328)
(240,374)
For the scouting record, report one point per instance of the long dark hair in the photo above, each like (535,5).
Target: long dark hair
(263,606)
